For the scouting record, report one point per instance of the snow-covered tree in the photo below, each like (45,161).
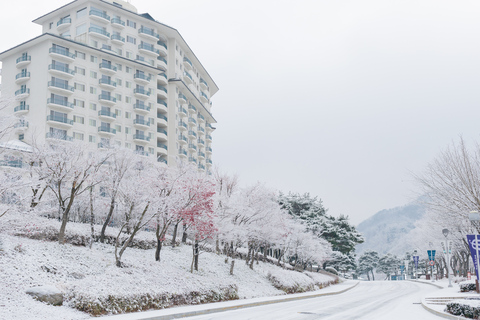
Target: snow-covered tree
(389,264)
(367,263)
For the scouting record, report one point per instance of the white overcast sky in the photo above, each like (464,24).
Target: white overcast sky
(341,99)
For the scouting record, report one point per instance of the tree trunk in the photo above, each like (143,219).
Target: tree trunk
(174,236)
(92,220)
(196,253)
(158,249)
(373,276)
(107,220)
(232,264)
(184,236)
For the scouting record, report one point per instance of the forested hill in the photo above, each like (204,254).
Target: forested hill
(386,231)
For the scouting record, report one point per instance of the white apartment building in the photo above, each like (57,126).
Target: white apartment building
(105,74)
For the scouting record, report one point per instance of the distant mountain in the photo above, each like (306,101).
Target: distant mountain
(385,231)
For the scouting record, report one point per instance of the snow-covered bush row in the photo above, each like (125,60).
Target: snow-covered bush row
(464,310)
(467,286)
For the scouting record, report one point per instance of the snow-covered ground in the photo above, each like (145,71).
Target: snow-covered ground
(90,275)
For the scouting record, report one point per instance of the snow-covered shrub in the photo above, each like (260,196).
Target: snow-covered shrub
(322,279)
(139,302)
(467,286)
(458,309)
(332,270)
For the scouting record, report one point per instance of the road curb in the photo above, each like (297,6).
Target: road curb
(442,314)
(222,309)
(432,284)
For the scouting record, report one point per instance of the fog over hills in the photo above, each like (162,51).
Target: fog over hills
(386,231)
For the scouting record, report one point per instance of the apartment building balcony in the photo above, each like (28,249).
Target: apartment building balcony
(21,126)
(162,92)
(148,49)
(162,160)
(106,131)
(141,78)
(162,48)
(208,150)
(162,149)
(23,61)
(52,135)
(141,108)
(141,124)
(162,106)
(62,122)
(200,118)
(203,84)
(141,138)
(107,84)
(192,122)
(192,134)
(203,97)
(107,68)
(182,139)
(201,130)
(162,79)
(182,126)
(182,153)
(187,78)
(141,93)
(117,39)
(21,109)
(148,33)
(60,87)
(200,155)
(192,109)
(192,147)
(200,142)
(62,54)
(106,115)
(181,98)
(59,104)
(182,112)
(209,161)
(161,63)
(99,16)
(209,127)
(64,23)
(192,159)
(104,145)
(201,166)
(117,22)
(107,99)
(208,138)
(22,93)
(61,71)
(22,77)
(161,120)
(162,134)
(187,64)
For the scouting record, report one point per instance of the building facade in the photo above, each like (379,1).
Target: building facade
(102,73)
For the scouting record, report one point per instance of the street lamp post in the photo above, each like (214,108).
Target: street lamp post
(431,266)
(445,233)
(415,263)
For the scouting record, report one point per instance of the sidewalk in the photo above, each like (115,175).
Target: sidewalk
(189,311)
(436,302)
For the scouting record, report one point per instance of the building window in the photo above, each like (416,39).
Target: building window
(93,90)
(93,122)
(79,119)
(128,130)
(131,24)
(79,86)
(80,71)
(93,74)
(79,103)
(81,29)
(119,52)
(128,115)
(91,139)
(129,55)
(94,44)
(118,97)
(80,55)
(128,99)
(93,106)
(51,25)
(128,84)
(118,128)
(128,145)
(119,67)
(128,69)
(82,12)
(21,137)
(78,136)
(131,40)
(119,82)
(118,112)
(93,59)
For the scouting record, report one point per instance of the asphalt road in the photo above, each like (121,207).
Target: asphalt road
(392,300)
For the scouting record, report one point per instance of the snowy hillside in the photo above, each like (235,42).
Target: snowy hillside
(91,282)
(385,231)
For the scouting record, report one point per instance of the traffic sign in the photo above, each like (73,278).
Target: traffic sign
(432,263)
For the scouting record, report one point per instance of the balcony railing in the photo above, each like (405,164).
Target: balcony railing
(22,91)
(24,58)
(190,107)
(60,85)
(162,88)
(118,37)
(99,31)
(182,124)
(117,21)
(161,116)
(200,117)
(163,44)
(61,68)
(192,159)
(161,145)
(148,47)
(192,133)
(182,152)
(107,129)
(141,122)
(209,161)
(60,119)
(185,59)
(162,102)
(60,102)
(203,82)
(201,129)
(162,59)
(209,149)
(182,138)
(141,76)
(107,97)
(106,65)
(163,75)
(191,120)
(141,136)
(204,95)
(141,91)
(62,52)
(22,75)
(141,106)
(149,32)
(107,82)
(100,14)
(160,130)
(209,137)
(192,146)
(182,110)
(188,75)
(163,160)
(64,21)
(107,113)
(21,108)
(54,135)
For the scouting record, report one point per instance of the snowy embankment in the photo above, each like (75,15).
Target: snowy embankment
(92,283)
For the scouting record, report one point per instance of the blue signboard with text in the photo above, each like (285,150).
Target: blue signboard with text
(431,255)
(415,261)
(472,243)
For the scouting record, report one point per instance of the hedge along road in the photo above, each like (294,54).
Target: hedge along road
(393,300)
